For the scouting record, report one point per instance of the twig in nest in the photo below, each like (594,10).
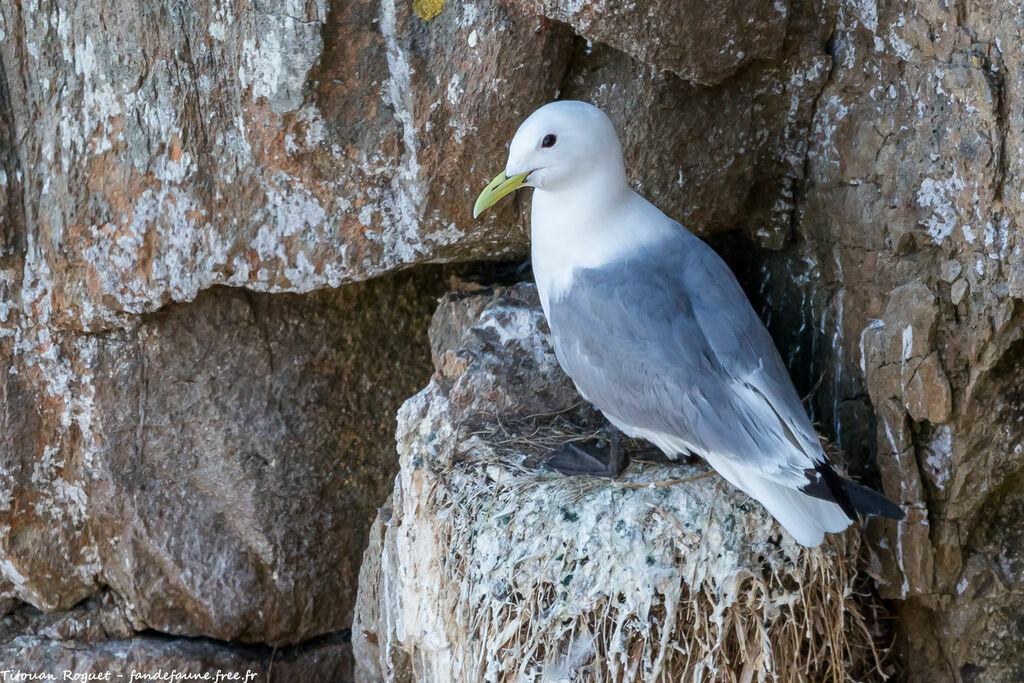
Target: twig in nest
(660,484)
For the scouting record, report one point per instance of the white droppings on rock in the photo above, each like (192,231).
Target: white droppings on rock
(10,573)
(403,206)
(939,456)
(449,235)
(276,61)
(171,170)
(454,92)
(867,14)
(940,197)
(293,209)
(899,46)
(896,451)
(310,115)
(262,65)
(873,325)
(832,111)
(908,343)
(64,370)
(905,585)
(366,215)
(303,274)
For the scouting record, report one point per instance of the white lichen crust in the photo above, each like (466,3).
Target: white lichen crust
(485,569)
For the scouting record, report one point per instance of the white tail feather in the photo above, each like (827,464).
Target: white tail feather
(806,518)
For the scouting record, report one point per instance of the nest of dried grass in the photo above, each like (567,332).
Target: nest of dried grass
(552,578)
(489,569)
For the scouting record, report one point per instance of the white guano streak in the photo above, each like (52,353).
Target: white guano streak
(408,192)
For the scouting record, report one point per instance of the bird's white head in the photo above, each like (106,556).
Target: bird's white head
(561,146)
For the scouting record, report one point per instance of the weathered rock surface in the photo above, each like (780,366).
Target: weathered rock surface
(220,463)
(698,41)
(289,146)
(484,568)
(95,637)
(908,281)
(278,146)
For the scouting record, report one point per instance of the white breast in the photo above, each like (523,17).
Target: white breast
(568,235)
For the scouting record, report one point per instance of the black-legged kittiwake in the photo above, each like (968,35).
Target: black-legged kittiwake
(655,331)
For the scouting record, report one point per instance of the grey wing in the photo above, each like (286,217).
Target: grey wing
(667,342)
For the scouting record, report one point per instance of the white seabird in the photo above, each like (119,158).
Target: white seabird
(655,331)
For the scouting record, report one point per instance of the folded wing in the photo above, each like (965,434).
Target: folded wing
(665,341)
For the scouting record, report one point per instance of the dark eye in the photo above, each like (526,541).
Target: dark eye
(548,141)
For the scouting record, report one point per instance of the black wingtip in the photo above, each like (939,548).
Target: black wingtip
(835,485)
(871,502)
(826,484)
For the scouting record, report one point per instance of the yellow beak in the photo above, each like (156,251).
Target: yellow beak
(495,190)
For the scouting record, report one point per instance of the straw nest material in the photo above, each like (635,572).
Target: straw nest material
(486,569)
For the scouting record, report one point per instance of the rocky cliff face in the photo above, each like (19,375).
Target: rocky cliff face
(911,268)
(197,410)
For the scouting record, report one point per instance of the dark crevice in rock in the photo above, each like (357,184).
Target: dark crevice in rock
(920,436)
(327,660)
(754,266)
(96,617)
(995,73)
(12,211)
(580,46)
(257,650)
(492,273)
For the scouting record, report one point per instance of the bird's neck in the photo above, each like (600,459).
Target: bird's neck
(594,190)
(586,227)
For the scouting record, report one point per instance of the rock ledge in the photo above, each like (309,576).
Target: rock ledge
(483,568)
